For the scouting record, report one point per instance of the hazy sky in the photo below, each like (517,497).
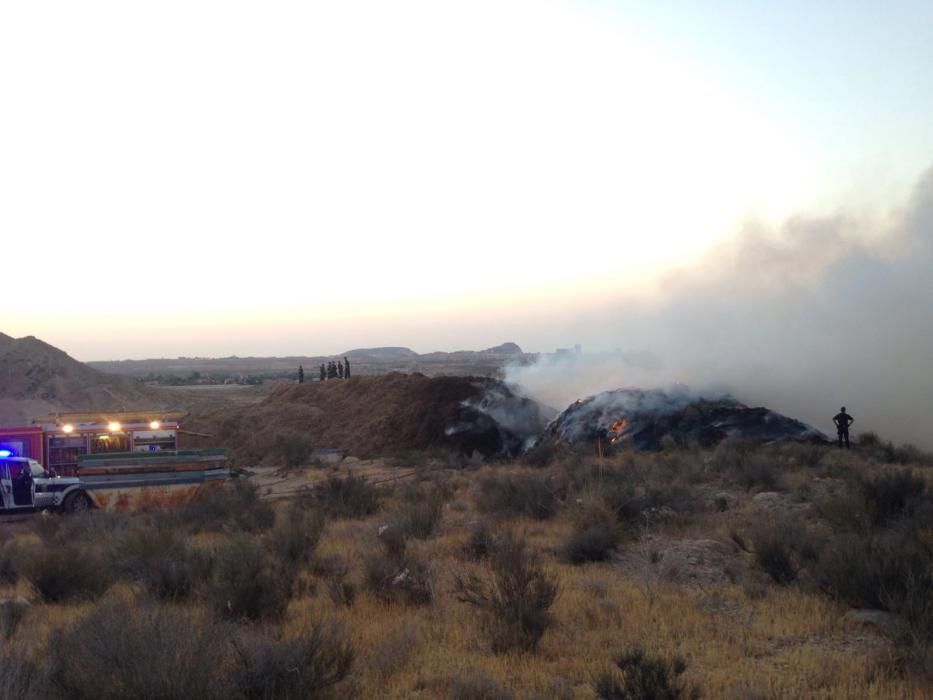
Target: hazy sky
(216,178)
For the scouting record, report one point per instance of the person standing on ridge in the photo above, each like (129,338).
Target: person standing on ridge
(843,420)
(346,368)
(323,373)
(339,371)
(301,374)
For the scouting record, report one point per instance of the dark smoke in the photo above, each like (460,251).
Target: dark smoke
(822,312)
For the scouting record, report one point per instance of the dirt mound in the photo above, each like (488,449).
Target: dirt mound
(380,415)
(37,378)
(644,419)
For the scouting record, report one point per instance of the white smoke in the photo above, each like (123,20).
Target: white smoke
(819,313)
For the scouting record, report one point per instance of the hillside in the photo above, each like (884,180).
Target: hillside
(37,378)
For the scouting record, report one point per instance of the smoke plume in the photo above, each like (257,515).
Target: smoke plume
(816,314)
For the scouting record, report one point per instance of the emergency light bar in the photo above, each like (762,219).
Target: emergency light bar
(6,453)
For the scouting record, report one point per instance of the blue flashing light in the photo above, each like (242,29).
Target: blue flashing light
(5,453)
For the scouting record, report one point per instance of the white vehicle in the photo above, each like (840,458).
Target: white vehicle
(26,486)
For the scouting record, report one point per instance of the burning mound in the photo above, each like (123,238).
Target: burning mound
(379,415)
(644,418)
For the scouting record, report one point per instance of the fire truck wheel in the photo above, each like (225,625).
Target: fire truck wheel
(77,502)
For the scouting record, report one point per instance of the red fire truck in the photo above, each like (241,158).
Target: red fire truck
(57,441)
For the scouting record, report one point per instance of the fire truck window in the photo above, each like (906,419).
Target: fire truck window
(110,442)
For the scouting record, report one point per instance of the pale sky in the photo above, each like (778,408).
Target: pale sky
(216,178)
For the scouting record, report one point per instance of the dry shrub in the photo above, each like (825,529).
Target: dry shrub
(297,534)
(349,497)
(596,531)
(891,495)
(308,665)
(641,676)
(160,559)
(232,506)
(872,571)
(542,454)
(481,542)
(11,554)
(476,685)
(518,493)
(593,544)
(395,648)
(399,579)
(20,677)
(419,514)
(781,547)
(129,650)
(66,571)
(333,570)
(294,449)
(12,612)
(515,598)
(248,583)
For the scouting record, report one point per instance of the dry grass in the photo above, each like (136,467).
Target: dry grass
(746,639)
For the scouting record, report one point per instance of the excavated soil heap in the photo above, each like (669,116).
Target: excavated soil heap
(387,414)
(643,419)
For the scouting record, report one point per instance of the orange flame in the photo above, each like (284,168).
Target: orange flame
(617,429)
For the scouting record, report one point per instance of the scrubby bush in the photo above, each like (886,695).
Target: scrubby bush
(399,579)
(596,531)
(515,598)
(294,449)
(248,583)
(12,613)
(232,506)
(160,559)
(9,558)
(66,571)
(476,685)
(780,549)
(419,514)
(481,542)
(542,454)
(886,451)
(296,535)
(349,497)
(20,677)
(308,665)
(518,493)
(872,571)
(639,675)
(127,650)
(593,544)
(891,495)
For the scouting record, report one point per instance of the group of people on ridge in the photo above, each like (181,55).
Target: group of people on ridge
(331,370)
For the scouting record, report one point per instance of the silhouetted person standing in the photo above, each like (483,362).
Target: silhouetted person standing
(339,371)
(346,368)
(843,420)
(323,372)
(301,374)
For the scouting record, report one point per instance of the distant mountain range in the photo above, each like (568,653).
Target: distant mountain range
(363,361)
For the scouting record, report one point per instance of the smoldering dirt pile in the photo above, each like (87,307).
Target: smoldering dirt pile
(644,419)
(381,415)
